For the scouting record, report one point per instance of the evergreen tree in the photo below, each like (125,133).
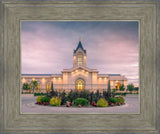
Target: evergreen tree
(130,87)
(122,88)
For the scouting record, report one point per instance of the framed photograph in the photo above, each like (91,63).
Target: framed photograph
(80,67)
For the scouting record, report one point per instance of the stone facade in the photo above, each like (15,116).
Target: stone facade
(79,77)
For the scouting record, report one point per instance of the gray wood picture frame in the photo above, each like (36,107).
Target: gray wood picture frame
(146,12)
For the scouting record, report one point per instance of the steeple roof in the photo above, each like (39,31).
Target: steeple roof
(80,46)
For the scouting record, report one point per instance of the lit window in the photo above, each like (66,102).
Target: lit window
(111,83)
(125,83)
(80,59)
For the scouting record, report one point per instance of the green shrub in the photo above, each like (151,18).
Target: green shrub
(55,101)
(45,99)
(113,100)
(39,94)
(81,101)
(102,102)
(123,94)
(121,100)
(39,99)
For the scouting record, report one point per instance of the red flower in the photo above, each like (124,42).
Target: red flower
(80,105)
(93,103)
(118,103)
(44,103)
(70,103)
(110,103)
(67,105)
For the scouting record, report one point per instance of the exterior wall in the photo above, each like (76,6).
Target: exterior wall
(65,81)
(73,76)
(57,83)
(93,81)
(102,83)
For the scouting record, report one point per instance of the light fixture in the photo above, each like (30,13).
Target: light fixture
(43,79)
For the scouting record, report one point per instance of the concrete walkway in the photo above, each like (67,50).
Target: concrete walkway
(28,106)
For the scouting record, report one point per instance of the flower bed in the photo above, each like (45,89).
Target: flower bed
(80,99)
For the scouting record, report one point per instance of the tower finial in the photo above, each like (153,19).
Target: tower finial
(79,38)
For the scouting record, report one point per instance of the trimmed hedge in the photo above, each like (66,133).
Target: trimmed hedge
(113,100)
(81,101)
(123,94)
(102,102)
(45,99)
(40,94)
(121,100)
(39,99)
(55,101)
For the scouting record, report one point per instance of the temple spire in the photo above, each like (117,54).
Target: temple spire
(79,46)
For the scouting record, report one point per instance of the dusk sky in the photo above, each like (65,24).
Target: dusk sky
(112,46)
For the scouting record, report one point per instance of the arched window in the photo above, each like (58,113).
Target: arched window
(80,84)
(48,87)
(118,86)
(39,87)
(80,59)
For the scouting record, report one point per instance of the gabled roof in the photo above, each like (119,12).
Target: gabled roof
(80,67)
(80,46)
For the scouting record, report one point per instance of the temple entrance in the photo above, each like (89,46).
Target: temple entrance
(118,85)
(80,84)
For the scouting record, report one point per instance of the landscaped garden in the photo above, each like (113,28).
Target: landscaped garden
(76,98)
(80,99)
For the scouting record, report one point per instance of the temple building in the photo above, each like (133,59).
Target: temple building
(79,77)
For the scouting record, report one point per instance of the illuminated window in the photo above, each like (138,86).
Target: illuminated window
(48,87)
(23,80)
(39,87)
(80,60)
(80,85)
(111,83)
(125,83)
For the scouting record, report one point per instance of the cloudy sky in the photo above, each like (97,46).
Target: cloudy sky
(112,46)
